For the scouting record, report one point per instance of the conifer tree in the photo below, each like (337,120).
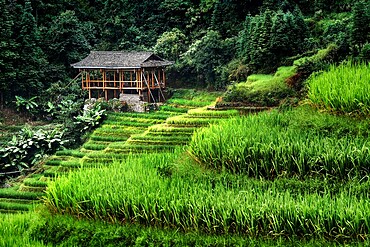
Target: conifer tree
(31,62)
(7,52)
(360,34)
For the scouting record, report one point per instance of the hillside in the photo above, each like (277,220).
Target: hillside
(262,139)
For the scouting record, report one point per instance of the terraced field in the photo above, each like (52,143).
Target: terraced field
(120,135)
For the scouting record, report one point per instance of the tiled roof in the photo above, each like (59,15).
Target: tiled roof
(120,60)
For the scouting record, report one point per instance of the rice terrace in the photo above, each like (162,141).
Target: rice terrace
(185,123)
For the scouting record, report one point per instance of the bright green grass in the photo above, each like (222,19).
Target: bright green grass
(164,128)
(152,119)
(262,90)
(67,231)
(127,123)
(168,108)
(154,190)
(343,89)
(189,98)
(203,112)
(15,230)
(14,206)
(68,152)
(95,145)
(106,138)
(154,115)
(191,122)
(14,193)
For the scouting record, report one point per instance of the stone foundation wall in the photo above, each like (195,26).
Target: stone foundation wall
(133,102)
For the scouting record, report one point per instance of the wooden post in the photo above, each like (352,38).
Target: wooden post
(120,80)
(164,78)
(104,78)
(130,78)
(159,78)
(153,84)
(114,79)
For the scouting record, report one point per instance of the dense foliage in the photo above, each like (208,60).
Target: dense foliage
(212,41)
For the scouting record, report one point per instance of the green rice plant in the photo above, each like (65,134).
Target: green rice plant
(128,123)
(155,142)
(14,193)
(115,132)
(16,206)
(34,182)
(138,191)
(15,230)
(192,122)
(203,112)
(144,147)
(68,152)
(342,89)
(168,108)
(34,189)
(164,128)
(95,145)
(53,162)
(18,201)
(253,146)
(150,119)
(62,230)
(189,98)
(108,138)
(153,115)
(149,137)
(188,103)
(118,128)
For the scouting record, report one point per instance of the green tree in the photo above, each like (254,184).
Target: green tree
(360,34)
(205,55)
(8,54)
(268,38)
(65,43)
(171,44)
(31,61)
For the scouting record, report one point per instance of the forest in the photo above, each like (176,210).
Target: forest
(263,140)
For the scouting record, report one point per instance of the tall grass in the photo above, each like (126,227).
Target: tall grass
(343,89)
(259,147)
(141,191)
(15,230)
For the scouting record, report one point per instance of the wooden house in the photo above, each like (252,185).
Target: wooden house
(109,73)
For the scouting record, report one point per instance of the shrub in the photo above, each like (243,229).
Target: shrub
(319,61)
(29,147)
(261,90)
